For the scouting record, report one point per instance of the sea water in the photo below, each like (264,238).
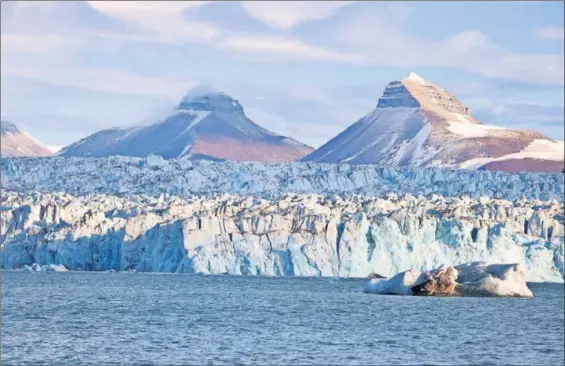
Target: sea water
(79,318)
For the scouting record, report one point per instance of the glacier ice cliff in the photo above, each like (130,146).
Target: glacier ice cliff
(294,234)
(153,175)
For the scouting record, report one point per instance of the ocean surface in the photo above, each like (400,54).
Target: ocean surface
(133,318)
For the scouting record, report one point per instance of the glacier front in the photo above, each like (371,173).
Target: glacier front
(294,234)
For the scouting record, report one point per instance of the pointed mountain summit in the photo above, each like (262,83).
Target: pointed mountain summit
(205,124)
(14,142)
(418,123)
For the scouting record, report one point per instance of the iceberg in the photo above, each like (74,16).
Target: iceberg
(470,279)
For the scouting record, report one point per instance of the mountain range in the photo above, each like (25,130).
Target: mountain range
(415,123)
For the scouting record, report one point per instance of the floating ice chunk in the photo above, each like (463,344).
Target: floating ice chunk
(472,279)
(45,268)
(397,285)
(480,279)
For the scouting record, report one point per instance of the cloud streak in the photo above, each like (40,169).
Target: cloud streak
(292,48)
(287,14)
(551,33)
(385,43)
(102,80)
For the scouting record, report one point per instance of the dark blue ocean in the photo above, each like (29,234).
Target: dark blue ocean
(81,318)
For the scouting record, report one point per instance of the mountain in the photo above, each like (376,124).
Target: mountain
(418,123)
(14,142)
(209,125)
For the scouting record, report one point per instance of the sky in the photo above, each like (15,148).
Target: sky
(301,69)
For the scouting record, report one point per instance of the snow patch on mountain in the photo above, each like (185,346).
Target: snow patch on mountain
(468,130)
(537,149)
(199,116)
(417,78)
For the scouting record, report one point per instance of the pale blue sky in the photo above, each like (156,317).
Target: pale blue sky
(305,69)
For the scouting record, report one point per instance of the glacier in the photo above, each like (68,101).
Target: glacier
(295,234)
(153,175)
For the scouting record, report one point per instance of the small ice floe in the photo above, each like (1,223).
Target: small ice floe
(45,268)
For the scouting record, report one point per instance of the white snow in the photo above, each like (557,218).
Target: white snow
(417,78)
(198,117)
(545,149)
(537,149)
(468,130)
(475,163)
(414,149)
(185,150)
(463,119)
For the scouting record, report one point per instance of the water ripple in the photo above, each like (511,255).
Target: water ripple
(142,319)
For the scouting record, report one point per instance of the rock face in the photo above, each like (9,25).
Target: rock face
(203,126)
(182,177)
(418,123)
(470,279)
(294,235)
(439,282)
(14,142)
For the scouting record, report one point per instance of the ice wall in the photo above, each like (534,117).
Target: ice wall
(295,234)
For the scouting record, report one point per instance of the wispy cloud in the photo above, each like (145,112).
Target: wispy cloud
(61,17)
(35,43)
(551,33)
(386,42)
(162,21)
(103,80)
(286,47)
(288,14)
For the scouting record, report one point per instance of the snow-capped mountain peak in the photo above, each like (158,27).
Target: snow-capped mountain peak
(14,142)
(419,123)
(8,128)
(210,102)
(416,78)
(206,123)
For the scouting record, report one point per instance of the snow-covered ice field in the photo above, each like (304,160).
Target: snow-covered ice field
(182,177)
